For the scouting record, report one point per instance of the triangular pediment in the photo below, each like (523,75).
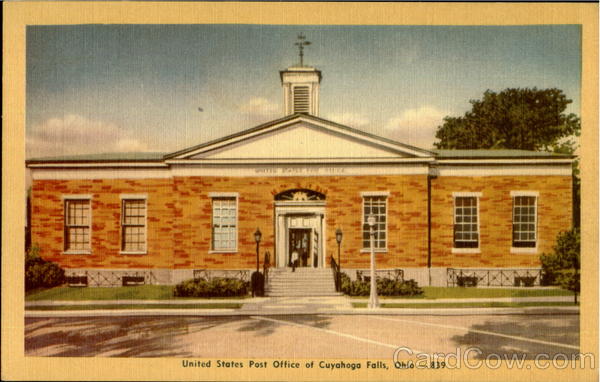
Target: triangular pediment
(300,137)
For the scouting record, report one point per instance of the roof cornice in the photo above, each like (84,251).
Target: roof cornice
(295,118)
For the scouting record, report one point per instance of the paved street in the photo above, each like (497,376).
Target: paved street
(302,336)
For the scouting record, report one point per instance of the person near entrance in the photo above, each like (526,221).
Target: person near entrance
(294,260)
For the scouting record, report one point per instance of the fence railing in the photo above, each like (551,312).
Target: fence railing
(395,274)
(107,278)
(494,277)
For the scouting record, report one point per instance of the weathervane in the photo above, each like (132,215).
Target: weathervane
(301,44)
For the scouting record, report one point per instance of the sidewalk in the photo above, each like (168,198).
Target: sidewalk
(180,301)
(301,305)
(462,300)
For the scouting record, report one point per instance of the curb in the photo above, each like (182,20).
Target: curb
(358,311)
(258,300)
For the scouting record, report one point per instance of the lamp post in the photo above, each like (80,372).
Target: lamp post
(338,238)
(257,236)
(373,299)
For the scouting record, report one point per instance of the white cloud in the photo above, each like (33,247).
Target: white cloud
(259,106)
(416,126)
(355,120)
(74,134)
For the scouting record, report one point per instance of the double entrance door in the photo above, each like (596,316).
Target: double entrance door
(299,229)
(303,247)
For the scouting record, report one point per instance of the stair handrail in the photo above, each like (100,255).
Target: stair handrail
(336,274)
(266,265)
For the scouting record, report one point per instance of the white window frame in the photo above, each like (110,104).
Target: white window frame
(524,250)
(363,195)
(477,196)
(65,199)
(224,195)
(125,197)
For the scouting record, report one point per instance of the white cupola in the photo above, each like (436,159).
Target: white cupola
(301,85)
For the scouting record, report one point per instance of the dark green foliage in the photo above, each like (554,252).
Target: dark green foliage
(467,281)
(526,119)
(40,273)
(561,267)
(258,284)
(385,287)
(217,287)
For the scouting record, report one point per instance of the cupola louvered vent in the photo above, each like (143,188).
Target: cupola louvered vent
(301,90)
(301,99)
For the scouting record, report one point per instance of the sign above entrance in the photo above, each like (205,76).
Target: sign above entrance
(299,194)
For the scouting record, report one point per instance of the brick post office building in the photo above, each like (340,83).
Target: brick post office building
(169,216)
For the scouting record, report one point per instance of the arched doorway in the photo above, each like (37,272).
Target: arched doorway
(300,226)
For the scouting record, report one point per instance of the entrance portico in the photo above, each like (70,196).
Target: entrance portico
(300,226)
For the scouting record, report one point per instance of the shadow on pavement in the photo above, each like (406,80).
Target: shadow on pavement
(137,336)
(537,327)
(265,327)
(116,336)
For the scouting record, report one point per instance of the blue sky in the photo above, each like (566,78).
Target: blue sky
(103,88)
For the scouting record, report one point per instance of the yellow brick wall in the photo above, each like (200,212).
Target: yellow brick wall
(495,214)
(47,223)
(179,219)
(407,217)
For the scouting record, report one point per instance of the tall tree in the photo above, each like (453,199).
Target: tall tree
(515,118)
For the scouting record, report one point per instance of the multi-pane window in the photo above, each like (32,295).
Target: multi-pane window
(77,225)
(224,223)
(133,225)
(466,227)
(375,205)
(524,221)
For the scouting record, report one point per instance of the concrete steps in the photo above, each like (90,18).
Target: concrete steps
(303,282)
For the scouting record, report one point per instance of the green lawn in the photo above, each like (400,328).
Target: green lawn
(457,292)
(225,305)
(140,292)
(465,305)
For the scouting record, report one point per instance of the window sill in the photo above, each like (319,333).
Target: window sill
(466,250)
(79,252)
(133,253)
(223,251)
(377,250)
(531,250)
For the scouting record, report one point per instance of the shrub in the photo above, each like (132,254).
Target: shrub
(561,267)
(467,281)
(217,287)
(40,273)
(385,287)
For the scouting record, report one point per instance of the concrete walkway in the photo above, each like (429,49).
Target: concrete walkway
(463,300)
(306,305)
(298,306)
(288,302)
(182,301)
